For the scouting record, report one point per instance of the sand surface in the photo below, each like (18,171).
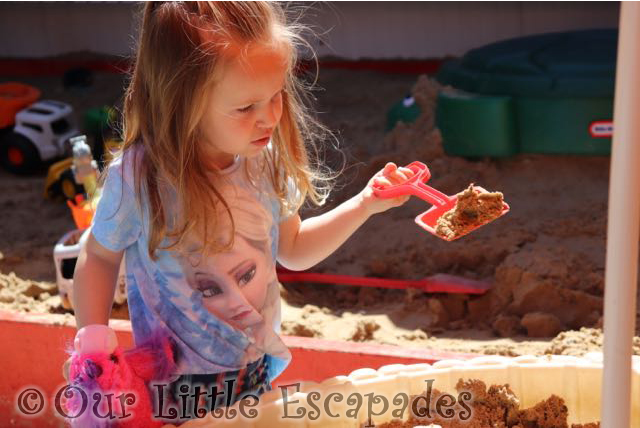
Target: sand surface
(490,406)
(545,258)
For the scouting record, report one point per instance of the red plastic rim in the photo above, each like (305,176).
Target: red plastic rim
(15,156)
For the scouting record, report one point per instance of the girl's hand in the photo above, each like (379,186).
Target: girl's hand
(389,175)
(65,369)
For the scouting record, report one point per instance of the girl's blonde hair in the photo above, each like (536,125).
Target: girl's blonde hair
(181,48)
(251,221)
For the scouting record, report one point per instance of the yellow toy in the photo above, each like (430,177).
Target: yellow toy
(84,167)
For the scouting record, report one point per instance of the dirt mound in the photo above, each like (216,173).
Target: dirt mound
(496,406)
(21,295)
(473,208)
(41,297)
(548,280)
(578,343)
(364,331)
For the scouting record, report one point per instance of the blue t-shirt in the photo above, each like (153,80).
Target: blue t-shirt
(222,310)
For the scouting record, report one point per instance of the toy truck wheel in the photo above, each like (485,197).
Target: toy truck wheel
(18,154)
(68,186)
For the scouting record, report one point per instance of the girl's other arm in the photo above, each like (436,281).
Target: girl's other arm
(303,244)
(94,283)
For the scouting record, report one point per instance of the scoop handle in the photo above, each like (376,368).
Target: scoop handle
(431,195)
(415,186)
(421,174)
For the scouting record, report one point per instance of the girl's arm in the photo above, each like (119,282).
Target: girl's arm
(303,244)
(94,283)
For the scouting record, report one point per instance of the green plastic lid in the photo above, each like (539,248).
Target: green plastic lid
(577,63)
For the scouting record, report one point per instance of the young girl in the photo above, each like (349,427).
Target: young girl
(203,198)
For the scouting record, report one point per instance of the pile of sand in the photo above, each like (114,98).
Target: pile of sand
(496,406)
(578,343)
(547,289)
(39,297)
(20,295)
(473,208)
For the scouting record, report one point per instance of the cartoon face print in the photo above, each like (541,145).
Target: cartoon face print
(234,283)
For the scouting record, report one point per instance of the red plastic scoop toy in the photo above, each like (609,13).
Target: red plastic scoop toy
(416,186)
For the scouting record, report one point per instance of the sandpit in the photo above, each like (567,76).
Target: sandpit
(546,265)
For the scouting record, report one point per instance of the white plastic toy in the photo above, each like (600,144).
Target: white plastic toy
(41,132)
(65,255)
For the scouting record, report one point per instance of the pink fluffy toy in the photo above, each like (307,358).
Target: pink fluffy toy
(113,389)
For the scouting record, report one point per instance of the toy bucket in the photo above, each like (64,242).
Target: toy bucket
(82,212)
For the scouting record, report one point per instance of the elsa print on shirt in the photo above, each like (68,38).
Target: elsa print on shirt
(239,286)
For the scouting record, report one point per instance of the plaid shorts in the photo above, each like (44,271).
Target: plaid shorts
(253,379)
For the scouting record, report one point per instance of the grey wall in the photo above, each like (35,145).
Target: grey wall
(436,29)
(351,29)
(39,29)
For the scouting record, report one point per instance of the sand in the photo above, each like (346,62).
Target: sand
(496,406)
(474,208)
(545,257)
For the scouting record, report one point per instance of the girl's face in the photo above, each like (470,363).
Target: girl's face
(233,284)
(245,105)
